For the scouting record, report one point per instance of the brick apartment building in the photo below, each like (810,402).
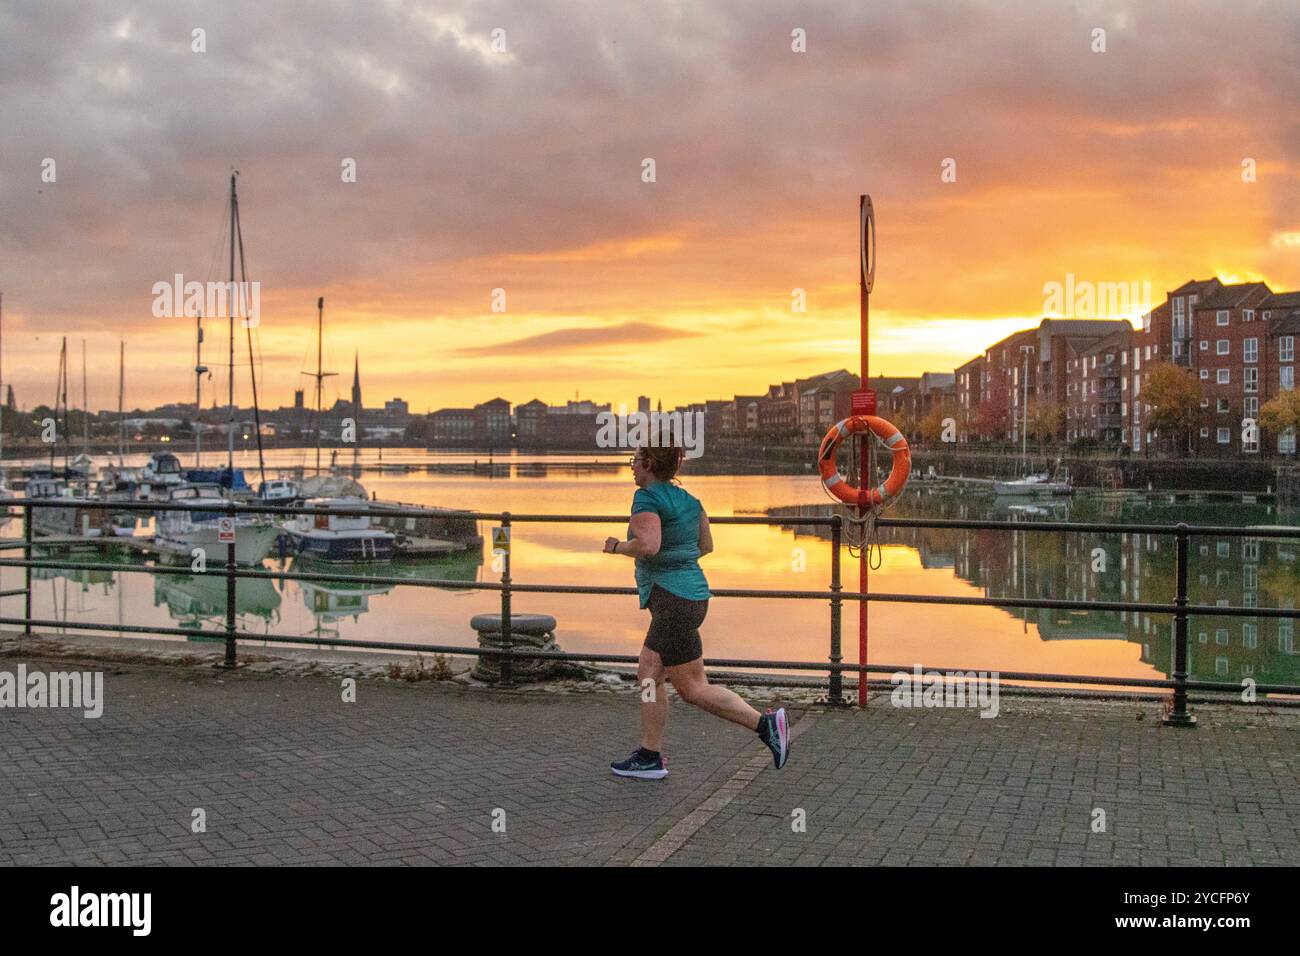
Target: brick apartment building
(1029,367)
(1238,342)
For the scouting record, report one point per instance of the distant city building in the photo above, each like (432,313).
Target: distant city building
(492,424)
(453,427)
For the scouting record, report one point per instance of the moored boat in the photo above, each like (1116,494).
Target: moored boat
(81,516)
(181,532)
(331,537)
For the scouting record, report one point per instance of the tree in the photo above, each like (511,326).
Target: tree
(1175,400)
(1046,421)
(931,426)
(1281,413)
(992,420)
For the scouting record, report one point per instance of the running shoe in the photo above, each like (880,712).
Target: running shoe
(778,738)
(641,766)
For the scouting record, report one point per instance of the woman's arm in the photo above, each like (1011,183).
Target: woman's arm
(706,536)
(647,535)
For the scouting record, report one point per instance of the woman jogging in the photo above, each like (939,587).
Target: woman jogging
(667,535)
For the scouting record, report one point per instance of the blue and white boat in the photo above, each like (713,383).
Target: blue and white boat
(332,537)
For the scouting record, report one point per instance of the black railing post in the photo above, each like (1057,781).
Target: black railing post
(835,693)
(231,581)
(27,571)
(507,670)
(1177,715)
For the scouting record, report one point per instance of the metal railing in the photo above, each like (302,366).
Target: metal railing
(1179,683)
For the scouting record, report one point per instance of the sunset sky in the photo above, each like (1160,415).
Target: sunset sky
(478,169)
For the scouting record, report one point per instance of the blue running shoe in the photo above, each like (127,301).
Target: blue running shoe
(777,737)
(641,765)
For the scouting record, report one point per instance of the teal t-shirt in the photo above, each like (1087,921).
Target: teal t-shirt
(676,567)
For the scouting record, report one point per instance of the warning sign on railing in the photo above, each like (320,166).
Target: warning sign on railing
(500,540)
(226,530)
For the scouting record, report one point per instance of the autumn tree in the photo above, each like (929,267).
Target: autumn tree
(1281,413)
(992,421)
(1046,421)
(932,425)
(1175,400)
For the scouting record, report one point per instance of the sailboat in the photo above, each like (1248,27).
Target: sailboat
(1035,484)
(182,532)
(331,537)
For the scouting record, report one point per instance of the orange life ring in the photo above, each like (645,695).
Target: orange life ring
(890,437)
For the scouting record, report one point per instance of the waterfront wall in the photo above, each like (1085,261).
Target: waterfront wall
(1161,474)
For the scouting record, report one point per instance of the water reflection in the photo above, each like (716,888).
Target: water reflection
(196,600)
(331,602)
(1118,566)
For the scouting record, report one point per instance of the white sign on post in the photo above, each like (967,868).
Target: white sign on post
(226,530)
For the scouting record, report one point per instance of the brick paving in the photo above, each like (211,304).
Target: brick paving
(287,773)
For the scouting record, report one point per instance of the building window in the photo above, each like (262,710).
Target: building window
(1178,349)
(1252,379)
(1267,315)
(1251,350)
(1286,377)
(1286,442)
(1205,433)
(1224,435)
(1286,348)
(1222,406)
(1248,315)
(1221,347)
(1221,317)
(1205,373)
(1204,344)
(1223,376)
(1252,407)
(1205,403)
(1146,352)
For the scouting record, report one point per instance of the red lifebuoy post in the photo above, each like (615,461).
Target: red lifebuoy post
(867,279)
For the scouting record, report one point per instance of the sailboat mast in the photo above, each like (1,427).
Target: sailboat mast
(61,396)
(1024,415)
(199,369)
(252,365)
(121,393)
(320,336)
(230,418)
(85,405)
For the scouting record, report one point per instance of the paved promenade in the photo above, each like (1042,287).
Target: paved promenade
(286,772)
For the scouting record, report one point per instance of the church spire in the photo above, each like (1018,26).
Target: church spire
(356,383)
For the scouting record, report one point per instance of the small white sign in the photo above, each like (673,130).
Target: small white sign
(500,540)
(226,530)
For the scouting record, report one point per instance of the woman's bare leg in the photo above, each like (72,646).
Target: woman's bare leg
(654,699)
(693,685)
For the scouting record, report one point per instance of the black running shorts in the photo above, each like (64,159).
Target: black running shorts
(675,627)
